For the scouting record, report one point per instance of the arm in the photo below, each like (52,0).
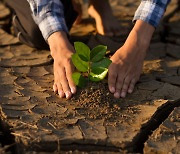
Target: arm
(127,62)
(49,16)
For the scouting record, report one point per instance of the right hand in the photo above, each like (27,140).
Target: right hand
(61,51)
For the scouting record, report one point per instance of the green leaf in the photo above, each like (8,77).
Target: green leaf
(104,63)
(78,79)
(98,74)
(82,50)
(99,69)
(98,53)
(81,65)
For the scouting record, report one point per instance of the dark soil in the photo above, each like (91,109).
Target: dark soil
(34,120)
(96,102)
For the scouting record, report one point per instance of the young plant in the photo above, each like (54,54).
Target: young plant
(91,64)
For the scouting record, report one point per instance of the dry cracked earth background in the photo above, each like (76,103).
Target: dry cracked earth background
(34,119)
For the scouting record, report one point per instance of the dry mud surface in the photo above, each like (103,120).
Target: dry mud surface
(34,119)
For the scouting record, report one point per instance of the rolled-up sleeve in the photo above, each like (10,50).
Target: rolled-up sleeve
(151,11)
(48,15)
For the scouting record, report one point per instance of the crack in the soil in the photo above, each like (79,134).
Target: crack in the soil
(147,129)
(174,84)
(90,148)
(136,146)
(50,62)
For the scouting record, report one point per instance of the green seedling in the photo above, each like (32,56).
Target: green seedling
(91,64)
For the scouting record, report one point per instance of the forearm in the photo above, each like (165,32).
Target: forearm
(138,40)
(143,33)
(58,42)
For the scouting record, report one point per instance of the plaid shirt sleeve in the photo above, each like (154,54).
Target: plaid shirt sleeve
(49,16)
(151,11)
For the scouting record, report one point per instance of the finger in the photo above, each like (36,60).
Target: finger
(64,83)
(69,71)
(60,90)
(131,86)
(125,87)
(119,85)
(55,89)
(112,76)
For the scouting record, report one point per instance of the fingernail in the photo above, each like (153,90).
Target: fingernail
(68,94)
(73,90)
(130,91)
(117,95)
(123,94)
(112,89)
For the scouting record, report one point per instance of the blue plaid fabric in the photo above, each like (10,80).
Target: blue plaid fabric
(151,11)
(49,16)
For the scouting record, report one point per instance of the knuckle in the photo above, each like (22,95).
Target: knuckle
(128,77)
(126,82)
(125,86)
(67,61)
(57,63)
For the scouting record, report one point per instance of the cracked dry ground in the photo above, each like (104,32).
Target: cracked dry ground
(34,119)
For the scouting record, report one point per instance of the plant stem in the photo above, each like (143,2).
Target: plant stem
(89,71)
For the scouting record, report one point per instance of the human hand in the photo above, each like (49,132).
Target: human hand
(124,72)
(61,51)
(127,62)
